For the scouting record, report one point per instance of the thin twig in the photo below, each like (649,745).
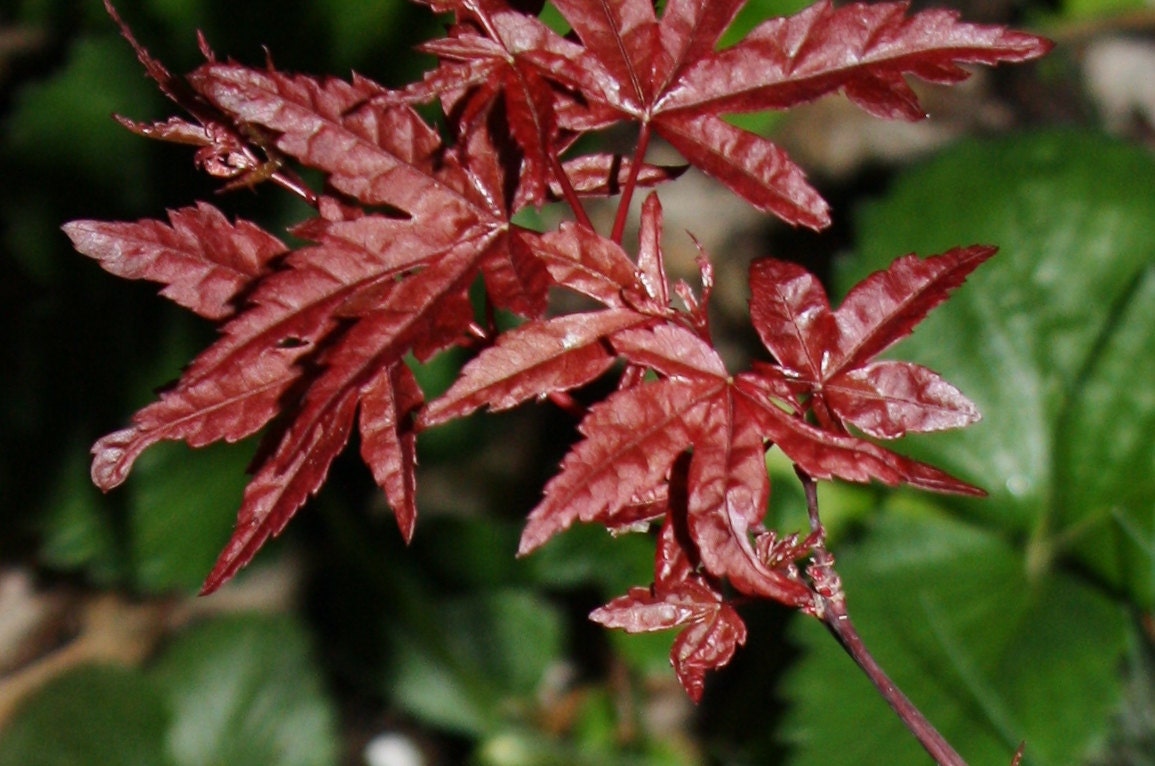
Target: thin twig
(631,183)
(568,193)
(832,612)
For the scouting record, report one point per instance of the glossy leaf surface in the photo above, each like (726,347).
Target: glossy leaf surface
(411,248)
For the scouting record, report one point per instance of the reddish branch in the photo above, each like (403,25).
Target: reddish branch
(832,612)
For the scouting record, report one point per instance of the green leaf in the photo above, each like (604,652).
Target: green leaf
(993,626)
(1098,9)
(181,15)
(990,656)
(586,555)
(468,552)
(182,511)
(526,747)
(244,690)
(1105,459)
(100,78)
(1047,337)
(360,29)
(493,654)
(77,526)
(754,13)
(90,716)
(164,530)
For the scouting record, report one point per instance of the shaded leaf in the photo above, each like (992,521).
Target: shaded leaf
(90,716)
(203,261)
(246,690)
(502,644)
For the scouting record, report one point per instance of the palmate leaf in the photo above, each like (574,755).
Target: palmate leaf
(429,309)
(862,49)
(315,342)
(337,304)
(636,440)
(204,261)
(827,354)
(331,327)
(665,73)
(234,388)
(711,629)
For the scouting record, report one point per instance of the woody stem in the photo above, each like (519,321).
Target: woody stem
(832,611)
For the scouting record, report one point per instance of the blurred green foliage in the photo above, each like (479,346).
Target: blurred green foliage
(234,690)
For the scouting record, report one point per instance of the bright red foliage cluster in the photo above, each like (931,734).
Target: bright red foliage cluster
(313,341)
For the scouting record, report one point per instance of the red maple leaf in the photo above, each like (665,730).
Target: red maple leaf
(204,262)
(710,629)
(826,355)
(825,369)
(825,373)
(314,341)
(666,75)
(634,436)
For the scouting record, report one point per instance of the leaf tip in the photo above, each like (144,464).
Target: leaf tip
(537,533)
(242,546)
(80,233)
(406,522)
(528,544)
(113,456)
